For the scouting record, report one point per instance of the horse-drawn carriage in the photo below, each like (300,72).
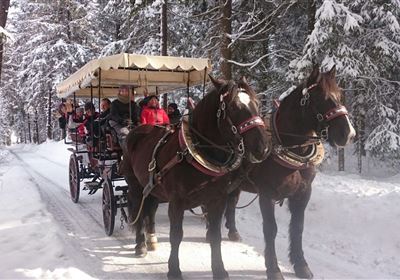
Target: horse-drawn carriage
(228,131)
(95,165)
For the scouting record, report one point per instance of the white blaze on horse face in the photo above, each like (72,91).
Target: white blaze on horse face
(244,98)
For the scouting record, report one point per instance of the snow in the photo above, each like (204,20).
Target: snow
(351,229)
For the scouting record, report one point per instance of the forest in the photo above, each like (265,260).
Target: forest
(273,43)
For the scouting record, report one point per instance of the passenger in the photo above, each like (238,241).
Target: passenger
(62,115)
(173,113)
(75,118)
(105,106)
(79,116)
(122,116)
(90,116)
(152,113)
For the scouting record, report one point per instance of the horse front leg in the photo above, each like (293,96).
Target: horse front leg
(230,215)
(215,211)
(175,213)
(267,206)
(297,206)
(151,207)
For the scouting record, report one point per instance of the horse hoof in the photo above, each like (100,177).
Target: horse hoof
(151,241)
(152,246)
(303,272)
(175,275)
(275,275)
(140,251)
(234,236)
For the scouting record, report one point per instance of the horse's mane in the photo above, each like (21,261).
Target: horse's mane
(211,99)
(329,86)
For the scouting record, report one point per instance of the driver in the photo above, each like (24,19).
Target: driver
(123,114)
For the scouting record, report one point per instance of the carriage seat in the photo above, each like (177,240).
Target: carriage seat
(111,140)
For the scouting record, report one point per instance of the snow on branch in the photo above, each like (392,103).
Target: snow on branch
(5,33)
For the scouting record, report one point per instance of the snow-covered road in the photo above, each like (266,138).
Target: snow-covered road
(351,229)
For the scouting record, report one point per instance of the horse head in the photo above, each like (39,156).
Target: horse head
(236,118)
(321,98)
(316,107)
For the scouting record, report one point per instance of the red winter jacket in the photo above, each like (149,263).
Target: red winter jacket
(153,116)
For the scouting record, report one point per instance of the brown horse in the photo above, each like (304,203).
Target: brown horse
(313,108)
(223,128)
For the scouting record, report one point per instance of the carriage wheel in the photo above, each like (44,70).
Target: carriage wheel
(74,178)
(109,207)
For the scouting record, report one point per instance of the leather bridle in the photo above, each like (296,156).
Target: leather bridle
(236,130)
(325,118)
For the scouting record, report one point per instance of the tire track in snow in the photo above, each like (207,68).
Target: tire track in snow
(87,243)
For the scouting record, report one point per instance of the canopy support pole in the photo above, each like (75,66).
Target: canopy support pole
(99,94)
(204,81)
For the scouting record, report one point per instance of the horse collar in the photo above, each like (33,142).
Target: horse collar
(198,161)
(289,159)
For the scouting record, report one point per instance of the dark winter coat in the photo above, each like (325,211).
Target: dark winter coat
(119,112)
(175,117)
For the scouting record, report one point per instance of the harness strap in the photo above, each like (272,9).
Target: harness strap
(250,123)
(335,113)
(153,163)
(170,164)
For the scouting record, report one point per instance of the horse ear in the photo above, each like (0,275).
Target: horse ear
(244,80)
(332,72)
(314,74)
(217,83)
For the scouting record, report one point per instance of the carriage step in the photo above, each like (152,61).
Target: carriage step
(92,185)
(121,188)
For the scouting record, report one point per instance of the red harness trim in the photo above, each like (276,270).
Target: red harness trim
(335,113)
(250,123)
(193,162)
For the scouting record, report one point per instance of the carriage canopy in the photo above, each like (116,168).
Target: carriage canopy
(156,74)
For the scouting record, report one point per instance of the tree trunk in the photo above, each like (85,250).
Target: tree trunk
(4,5)
(311,10)
(164,26)
(164,40)
(226,30)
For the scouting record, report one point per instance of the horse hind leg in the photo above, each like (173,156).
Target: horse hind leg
(297,206)
(267,206)
(230,215)
(150,209)
(136,216)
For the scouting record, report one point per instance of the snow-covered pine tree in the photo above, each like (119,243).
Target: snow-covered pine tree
(53,39)
(380,85)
